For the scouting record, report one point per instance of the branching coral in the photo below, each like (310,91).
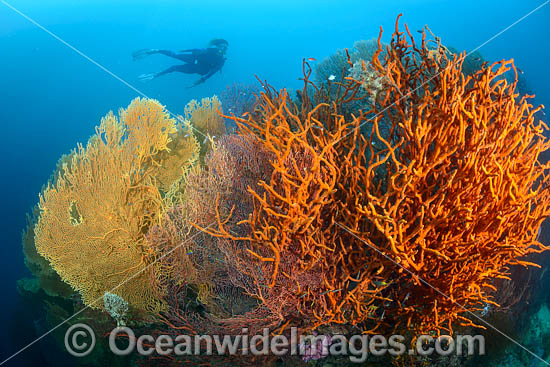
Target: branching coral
(462,192)
(445,184)
(395,198)
(195,260)
(93,218)
(292,236)
(234,164)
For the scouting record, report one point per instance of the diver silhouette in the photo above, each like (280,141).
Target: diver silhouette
(203,61)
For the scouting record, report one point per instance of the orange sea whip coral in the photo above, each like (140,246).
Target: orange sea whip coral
(451,190)
(462,192)
(293,235)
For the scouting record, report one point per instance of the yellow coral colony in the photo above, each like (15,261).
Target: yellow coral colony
(93,218)
(175,162)
(205,116)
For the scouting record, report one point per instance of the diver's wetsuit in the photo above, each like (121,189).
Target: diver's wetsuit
(205,62)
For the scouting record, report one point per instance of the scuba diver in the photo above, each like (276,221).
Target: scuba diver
(203,61)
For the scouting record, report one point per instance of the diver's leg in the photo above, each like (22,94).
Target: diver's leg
(140,54)
(167,53)
(190,58)
(185,57)
(185,68)
(150,76)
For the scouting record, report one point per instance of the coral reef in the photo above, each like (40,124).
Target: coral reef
(116,306)
(332,73)
(199,265)
(338,64)
(205,116)
(464,192)
(353,228)
(92,220)
(239,99)
(400,192)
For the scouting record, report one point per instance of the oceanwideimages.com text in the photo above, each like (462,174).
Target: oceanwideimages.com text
(80,341)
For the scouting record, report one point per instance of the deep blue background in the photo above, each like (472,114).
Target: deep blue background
(51,98)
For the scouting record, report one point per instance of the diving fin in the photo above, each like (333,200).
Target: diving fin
(147,77)
(140,54)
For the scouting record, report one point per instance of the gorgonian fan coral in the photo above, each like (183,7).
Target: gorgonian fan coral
(396,199)
(94,217)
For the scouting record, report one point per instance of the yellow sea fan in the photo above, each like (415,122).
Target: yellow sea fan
(205,116)
(174,164)
(93,218)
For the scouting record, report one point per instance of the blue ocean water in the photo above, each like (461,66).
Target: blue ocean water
(52,97)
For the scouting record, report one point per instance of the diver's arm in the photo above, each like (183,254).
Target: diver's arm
(212,72)
(205,77)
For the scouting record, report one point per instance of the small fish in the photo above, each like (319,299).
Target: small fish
(477,58)
(311,59)
(420,31)
(521,71)
(186,135)
(331,77)
(190,252)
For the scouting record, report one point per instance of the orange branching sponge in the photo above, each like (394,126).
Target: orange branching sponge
(439,181)
(294,253)
(93,218)
(455,190)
